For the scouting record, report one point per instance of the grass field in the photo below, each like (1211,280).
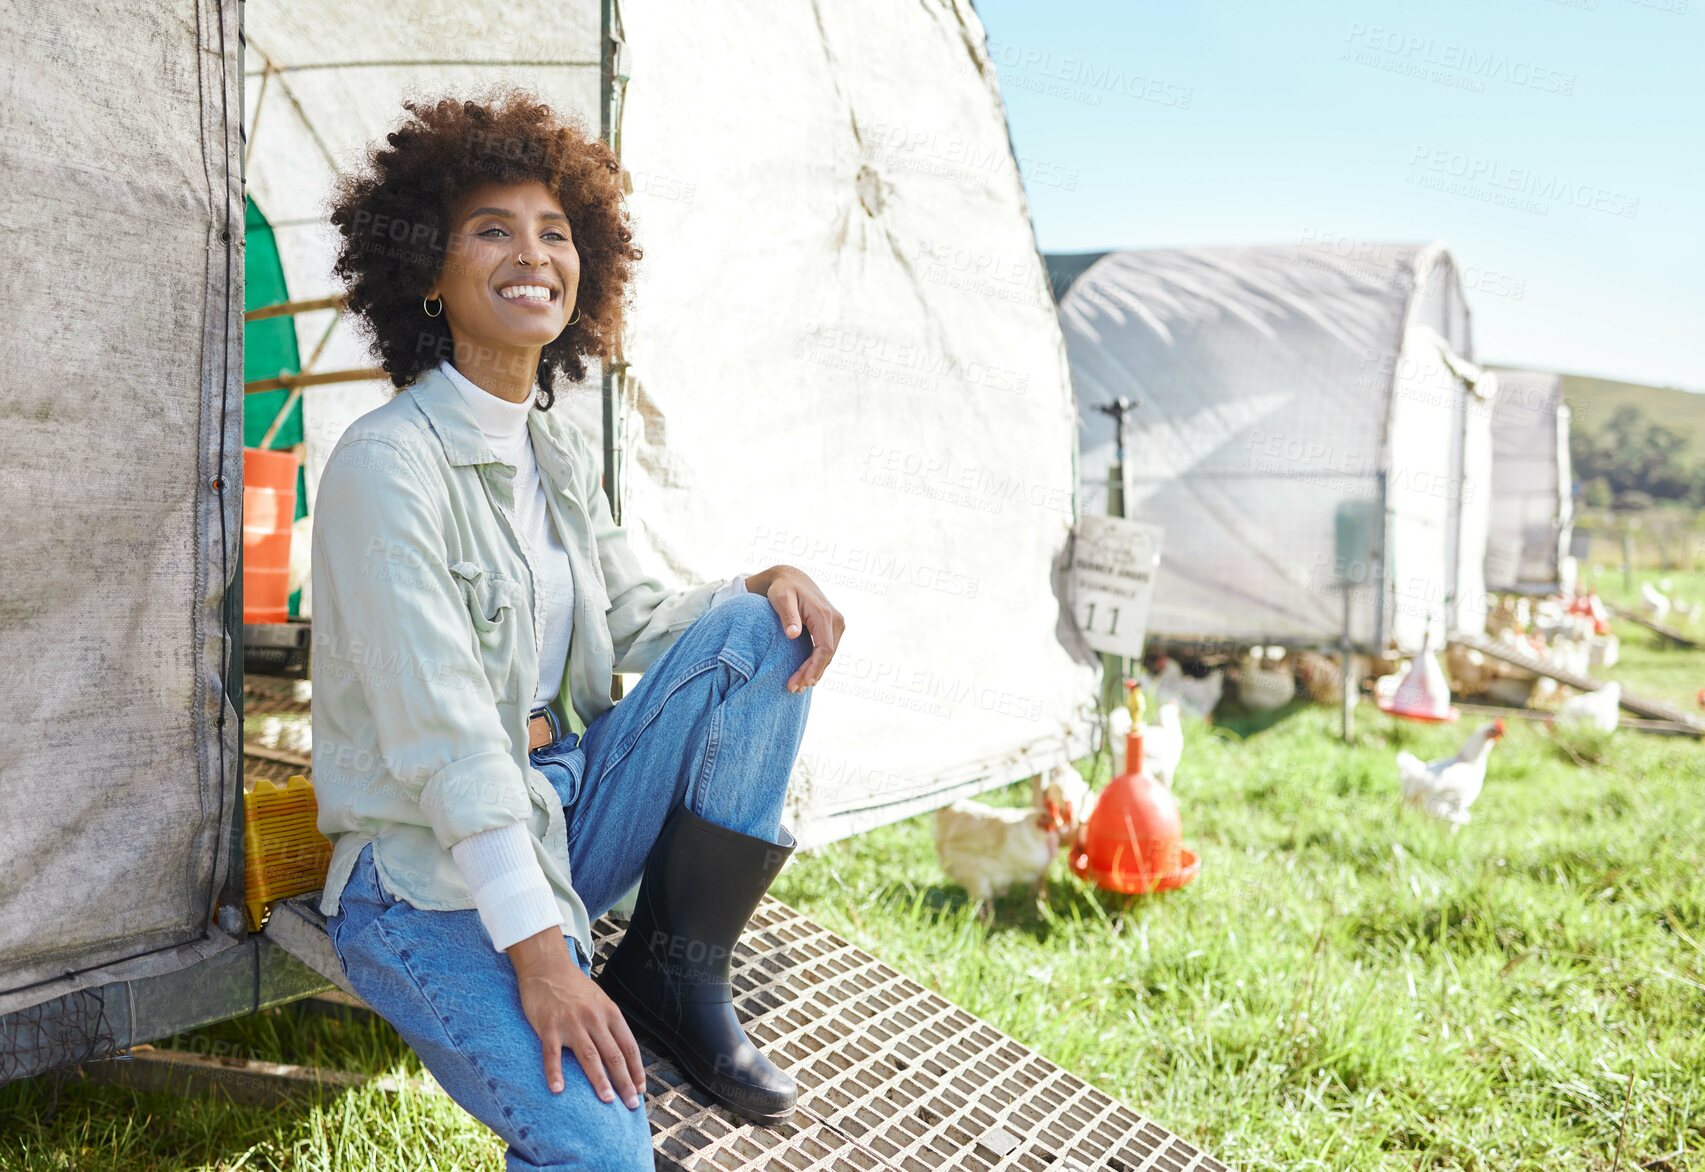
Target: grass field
(1344,987)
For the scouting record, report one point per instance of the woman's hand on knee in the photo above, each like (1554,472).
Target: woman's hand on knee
(566,1008)
(803,607)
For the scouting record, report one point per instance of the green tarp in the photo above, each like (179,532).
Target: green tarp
(269,350)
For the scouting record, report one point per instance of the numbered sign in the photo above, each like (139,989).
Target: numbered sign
(1114,561)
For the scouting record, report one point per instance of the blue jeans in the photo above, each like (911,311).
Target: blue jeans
(712,725)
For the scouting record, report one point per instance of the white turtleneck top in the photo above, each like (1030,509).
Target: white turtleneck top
(503,875)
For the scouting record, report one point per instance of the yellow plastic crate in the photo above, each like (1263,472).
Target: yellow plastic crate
(284,854)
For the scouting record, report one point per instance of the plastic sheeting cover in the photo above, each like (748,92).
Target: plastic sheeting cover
(120,405)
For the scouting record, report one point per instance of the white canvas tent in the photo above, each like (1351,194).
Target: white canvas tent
(843,354)
(1308,424)
(1532,498)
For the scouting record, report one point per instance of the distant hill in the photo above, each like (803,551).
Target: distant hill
(1592,401)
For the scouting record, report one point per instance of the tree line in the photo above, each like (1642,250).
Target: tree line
(1633,462)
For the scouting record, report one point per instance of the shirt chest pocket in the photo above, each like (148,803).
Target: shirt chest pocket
(495,604)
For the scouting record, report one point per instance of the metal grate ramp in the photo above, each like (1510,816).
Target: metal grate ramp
(891,1075)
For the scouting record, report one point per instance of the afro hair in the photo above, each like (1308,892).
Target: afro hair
(393,214)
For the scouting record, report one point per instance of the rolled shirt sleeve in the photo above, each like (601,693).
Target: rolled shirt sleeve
(405,634)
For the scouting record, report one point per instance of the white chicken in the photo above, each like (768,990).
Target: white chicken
(1444,789)
(1598,710)
(1549,614)
(1198,697)
(1603,651)
(1118,728)
(1263,684)
(1571,654)
(1163,743)
(987,849)
(1656,602)
(1681,608)
(1385,687)
(1063,792)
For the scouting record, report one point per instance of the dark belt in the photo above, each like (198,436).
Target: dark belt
(542,728)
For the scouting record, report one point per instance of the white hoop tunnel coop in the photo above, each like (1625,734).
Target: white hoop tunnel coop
(1309,431)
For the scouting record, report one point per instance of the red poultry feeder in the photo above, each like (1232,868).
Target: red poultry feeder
(1424,694)
(1133,841)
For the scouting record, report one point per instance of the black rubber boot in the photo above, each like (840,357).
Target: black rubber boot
(669,973)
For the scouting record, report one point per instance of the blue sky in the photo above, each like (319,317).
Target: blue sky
(1558,147)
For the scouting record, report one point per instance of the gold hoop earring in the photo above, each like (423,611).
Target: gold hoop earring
(576,316)
(427,311)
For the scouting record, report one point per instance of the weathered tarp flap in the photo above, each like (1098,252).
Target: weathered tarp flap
(120,408)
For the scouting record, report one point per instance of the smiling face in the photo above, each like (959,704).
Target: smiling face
(509,280)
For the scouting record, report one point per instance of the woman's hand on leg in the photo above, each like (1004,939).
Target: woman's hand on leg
(802,607)
(566,1007)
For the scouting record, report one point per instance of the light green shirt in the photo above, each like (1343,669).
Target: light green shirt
(425,652)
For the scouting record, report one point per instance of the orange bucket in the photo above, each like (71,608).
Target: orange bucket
(269,508)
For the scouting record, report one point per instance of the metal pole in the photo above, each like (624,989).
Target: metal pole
(612,91)
(609,63)
(231,895)
(1346,659)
